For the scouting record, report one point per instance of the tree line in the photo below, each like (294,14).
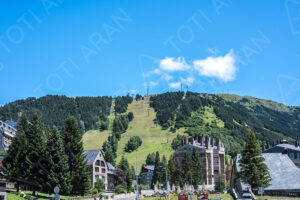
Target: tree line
(46,157)
(54,109)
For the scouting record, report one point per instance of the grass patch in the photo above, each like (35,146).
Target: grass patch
(12,195)
(94,139)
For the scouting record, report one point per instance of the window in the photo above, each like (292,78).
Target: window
(103,178)
(296,156)
(98,162)
(102,164)
(103,170)
(96,169)
(97,177)
(291,155)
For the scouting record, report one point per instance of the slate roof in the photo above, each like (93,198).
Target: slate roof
(110,168)
(284,173)
(90,156)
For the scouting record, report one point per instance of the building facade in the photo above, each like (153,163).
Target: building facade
(97,166)
(147,174)
(7,133)
(211,153)
(282,146)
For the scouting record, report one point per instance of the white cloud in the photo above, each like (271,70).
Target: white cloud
(175,85)
(221,67)
(166,77)
(173,64)
(187,81)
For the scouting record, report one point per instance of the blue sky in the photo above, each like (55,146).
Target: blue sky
(95,48)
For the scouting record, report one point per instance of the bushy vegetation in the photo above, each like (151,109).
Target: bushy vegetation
(54,109)
(133,143)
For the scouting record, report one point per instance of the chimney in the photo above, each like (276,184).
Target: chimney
(207,142)
(296,144)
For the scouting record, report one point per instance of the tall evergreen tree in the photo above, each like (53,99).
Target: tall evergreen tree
(15,165)
(253,169)
(72,139)
(57,164)
(156,173)
(197,173)
(187,166)
(128,176)
(35,151)
(163,170)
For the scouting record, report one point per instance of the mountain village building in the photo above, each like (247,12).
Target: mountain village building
(211,153)
(284,174)
(7,133)
(282,146)
(147,174)
(97,166)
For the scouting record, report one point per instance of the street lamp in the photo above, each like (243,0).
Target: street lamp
(136,176)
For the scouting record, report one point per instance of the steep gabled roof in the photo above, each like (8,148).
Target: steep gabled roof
(91,155)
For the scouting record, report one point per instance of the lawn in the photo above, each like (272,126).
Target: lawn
(42,196)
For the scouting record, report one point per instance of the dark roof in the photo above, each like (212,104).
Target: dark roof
(90,156)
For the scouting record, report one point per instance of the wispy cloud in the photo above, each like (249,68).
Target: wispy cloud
(187,81)
(221,67)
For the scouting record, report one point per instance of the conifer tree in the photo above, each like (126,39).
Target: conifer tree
(57,164)
(72,139)
(15,165)
(156,173)
(124,166)
(187,166)
(197,173)
(253,169)
(35,151)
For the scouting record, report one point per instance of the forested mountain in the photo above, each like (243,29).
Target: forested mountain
(228,117)
(54,109)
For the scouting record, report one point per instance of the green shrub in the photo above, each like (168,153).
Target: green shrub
(119,189)
(133,143)
(99,185)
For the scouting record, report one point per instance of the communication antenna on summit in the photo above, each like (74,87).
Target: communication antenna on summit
(147,89)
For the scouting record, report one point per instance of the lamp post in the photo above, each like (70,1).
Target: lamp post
(136,176)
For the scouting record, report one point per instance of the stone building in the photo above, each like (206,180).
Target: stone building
(7,133)
(97,166)
(211,153)
(282,146)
